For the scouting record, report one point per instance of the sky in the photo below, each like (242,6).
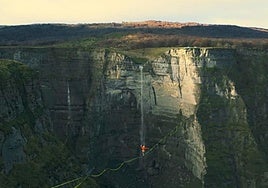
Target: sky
(253,13)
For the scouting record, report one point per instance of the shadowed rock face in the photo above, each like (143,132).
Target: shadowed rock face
(19,94)
(61,70)
(27,142)
(195,120)
(12,150)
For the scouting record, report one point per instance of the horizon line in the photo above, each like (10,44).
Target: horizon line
(122,22)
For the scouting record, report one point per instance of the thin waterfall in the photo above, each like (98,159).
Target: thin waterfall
(69,101)
(142,127)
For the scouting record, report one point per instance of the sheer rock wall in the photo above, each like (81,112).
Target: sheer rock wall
(195,119)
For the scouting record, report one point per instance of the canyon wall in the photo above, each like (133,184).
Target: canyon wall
(31,155)
(202,129)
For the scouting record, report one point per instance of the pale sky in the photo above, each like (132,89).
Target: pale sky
(238,12)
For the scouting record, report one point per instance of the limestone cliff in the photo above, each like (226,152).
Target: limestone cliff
(17,90)
(178,89)
(194,113)
(31,155)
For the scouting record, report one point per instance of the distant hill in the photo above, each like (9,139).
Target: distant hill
(160,24)
(41,34)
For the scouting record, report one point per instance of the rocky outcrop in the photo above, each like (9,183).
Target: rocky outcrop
(63,75)
(18,96)
(171,91)
(179,93)
(193,115)
(177,88)
(12,150)
(30,153)
(227,135)
(251,84)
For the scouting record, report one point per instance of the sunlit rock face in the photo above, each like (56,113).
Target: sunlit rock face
(187,88)
(192,111)
(177,92)
(171,97)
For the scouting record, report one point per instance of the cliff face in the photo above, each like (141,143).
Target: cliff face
(252,84)
(64,82)
(187,105)
(31,155)
(17,90)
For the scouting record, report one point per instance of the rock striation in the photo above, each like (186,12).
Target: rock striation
(196,117)
(27,142)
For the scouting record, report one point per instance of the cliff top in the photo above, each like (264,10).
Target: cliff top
(130,34)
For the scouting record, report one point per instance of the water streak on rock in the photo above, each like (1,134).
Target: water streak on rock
(142,128)
(69,101)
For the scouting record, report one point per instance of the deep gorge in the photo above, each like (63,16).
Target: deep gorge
(76,112)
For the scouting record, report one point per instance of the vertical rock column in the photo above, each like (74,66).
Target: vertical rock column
(185,72)
(177,89)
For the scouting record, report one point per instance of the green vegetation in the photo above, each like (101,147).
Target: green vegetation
(86,43)
(251,84)
(15,74)
(14,70)
(48,160)
(231,152)
(133,35)
(23,120)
